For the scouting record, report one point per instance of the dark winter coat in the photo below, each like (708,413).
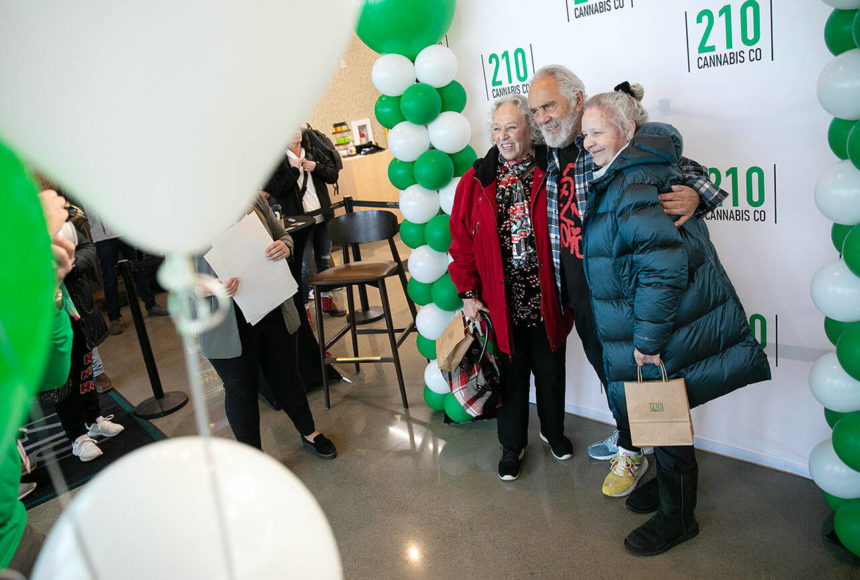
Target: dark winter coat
(477,252)
(660,288)
(284,185)
(92,322)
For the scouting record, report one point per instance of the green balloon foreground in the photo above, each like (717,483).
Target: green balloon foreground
(401,174)
(426,347)
(419,292)
(433,169)
(847,524)
(434,400)
(837,235)
(832,417)
(403,26)
(387,111)
(438,232)
(26,293)
(851,250)
(852,145)
(453,97)
(455,411)
(838,31)
(833,501)
(846,440)
(834,329)
(412,234)
(848,351)
(463,160)
(837,137)
(444,294)
(420,104)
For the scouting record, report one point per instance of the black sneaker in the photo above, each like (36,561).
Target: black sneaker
(562,451)
(509,464)
(321,446)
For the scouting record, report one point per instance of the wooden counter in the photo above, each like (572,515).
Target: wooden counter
(365,178)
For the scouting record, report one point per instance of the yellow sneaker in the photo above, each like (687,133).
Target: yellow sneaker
(627,468)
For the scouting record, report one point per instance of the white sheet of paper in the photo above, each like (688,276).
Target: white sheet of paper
(241,253)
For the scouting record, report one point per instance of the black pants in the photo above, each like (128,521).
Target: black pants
(82,405)
(681,458)
(531,354)
(270,348)
(108,252)
(587,331)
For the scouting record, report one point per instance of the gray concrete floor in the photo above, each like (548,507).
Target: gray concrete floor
(411,497)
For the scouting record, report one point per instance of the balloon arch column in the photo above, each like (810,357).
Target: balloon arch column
(835,378)
(421,105)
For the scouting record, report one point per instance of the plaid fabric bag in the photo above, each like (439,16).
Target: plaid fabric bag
(475,381)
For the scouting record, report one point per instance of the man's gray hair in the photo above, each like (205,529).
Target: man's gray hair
(568,83)
(522,104)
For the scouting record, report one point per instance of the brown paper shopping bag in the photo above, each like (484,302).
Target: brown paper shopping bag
(659,412)
(453,344)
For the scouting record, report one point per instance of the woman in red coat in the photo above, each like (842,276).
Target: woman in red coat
(503,265)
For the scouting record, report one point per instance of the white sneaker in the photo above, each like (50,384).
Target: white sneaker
(104,427)
(85,448)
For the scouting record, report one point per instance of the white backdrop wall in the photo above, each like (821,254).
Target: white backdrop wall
(737,78)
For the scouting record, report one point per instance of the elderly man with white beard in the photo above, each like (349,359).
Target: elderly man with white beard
(556,96)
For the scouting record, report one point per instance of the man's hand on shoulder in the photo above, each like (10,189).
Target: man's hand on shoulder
(682,201)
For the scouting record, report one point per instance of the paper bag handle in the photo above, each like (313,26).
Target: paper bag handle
(662,369)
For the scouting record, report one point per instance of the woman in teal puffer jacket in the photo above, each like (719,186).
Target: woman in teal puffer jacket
(659,294)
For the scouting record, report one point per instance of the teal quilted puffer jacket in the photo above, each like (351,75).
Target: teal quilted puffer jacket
(660,288)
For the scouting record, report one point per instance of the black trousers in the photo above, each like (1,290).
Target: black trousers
(82,405)
(531,354)
(270,348)
(586,328)
(680,458)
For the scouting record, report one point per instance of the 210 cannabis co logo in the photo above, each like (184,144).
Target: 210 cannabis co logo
(752,194)
(506,72)
(732,34)
(581,9)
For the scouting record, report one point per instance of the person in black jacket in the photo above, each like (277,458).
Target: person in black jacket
(299,185)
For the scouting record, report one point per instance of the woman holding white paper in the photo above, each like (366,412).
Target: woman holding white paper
(239,351)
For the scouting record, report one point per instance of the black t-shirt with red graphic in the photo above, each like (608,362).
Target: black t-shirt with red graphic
(574,289)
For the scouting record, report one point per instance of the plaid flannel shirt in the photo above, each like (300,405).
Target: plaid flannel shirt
(695,177)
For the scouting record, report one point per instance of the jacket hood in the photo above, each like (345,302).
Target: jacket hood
(485,167)
(653,143)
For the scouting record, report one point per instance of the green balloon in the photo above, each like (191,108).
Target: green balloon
(856,33)
(445,294)
(434,400)
(387,110)
(851,250)
(438,233)
(412,234)
(846,440)
(837,235)
(852,145)
(401,174)
(463,160)
(26,294)
(433,169)
(848,351)
(833,501)
(834,329)
(455,411)
(419,292)
(832,417)
(837,136)
(847,525)
(453,97)
(426,347)
(838,31)
(403,26)
(420,104)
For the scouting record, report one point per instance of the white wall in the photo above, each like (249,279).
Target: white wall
(761,113)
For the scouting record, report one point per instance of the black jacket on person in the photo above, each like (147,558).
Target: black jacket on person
(92,322)
(285,187)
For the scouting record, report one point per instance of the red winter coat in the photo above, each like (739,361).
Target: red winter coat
(477,252)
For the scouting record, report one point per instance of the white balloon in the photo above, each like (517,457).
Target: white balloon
(436,65)
(162,118)
(431,322)
(408,141)
(843,4)
(839,86)
(446,195)
(832,475)
(418,205)
(835,292)
(450,132)
(273,526)
(427,265)
(837,193)
(392,74)
(450,260)
(433,377)
(832,386)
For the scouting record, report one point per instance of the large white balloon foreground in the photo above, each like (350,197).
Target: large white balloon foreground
(163,117)
(166,524)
